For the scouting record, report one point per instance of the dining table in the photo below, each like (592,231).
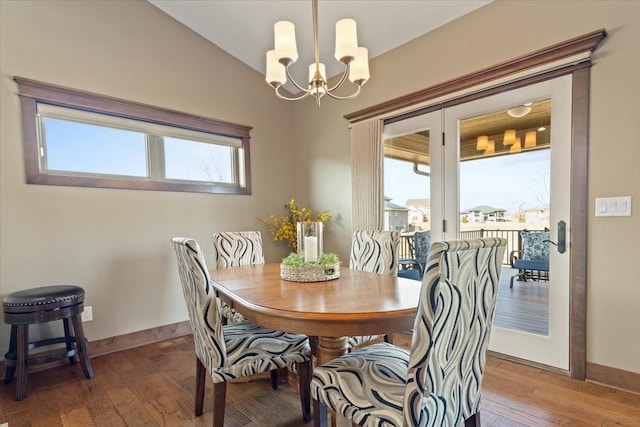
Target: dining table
(354,304)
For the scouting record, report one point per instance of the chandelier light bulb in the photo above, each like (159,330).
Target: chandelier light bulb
(285,42)
(359,72)
(276,73)
(346,40)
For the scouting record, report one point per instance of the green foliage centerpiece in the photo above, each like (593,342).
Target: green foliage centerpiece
(294,268)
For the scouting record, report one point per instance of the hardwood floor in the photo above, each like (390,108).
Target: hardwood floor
(154,385)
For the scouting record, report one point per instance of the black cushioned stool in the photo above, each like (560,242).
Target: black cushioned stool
(38,305)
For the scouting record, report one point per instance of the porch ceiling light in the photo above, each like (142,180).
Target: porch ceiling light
(530,139)
(516,147)
(482,142)
(509,137)
(520,111)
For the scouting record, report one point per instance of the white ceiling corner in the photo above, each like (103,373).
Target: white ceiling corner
(244,28)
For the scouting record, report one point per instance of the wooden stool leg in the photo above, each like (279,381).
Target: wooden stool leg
(10,370)
(68,339)
(81,342)
(21,359)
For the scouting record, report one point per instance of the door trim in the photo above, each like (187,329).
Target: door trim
(578,210)
(586,43)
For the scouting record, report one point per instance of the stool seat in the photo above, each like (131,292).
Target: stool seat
(38,305)
(42,298)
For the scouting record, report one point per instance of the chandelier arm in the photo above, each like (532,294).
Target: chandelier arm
(294,82)
(292,98)
(344,98)
(342,79)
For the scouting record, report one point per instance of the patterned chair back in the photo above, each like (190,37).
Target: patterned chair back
(375,251)
(202,305)
(535,245)
(235,248)
(451,331)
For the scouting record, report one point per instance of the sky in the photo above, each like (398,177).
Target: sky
(507,182)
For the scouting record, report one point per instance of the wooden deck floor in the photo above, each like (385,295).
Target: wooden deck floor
(524,307)
(153,385)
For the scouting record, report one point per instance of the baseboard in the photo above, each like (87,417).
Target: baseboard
(604,375)
(528,363)
(613,377)
(139,338)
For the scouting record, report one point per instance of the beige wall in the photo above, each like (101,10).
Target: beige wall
(116,243)
(492,34)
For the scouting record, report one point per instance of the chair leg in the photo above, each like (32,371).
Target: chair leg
(274,378)
(81,342)
(219,397)
(473,420)
(304,382)
(11,370)
(333,419)
(68,339)
(200,383)
(316,413)
(388,338)
(21,360)
(511,281)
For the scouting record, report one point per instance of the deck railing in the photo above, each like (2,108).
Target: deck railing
(512,236)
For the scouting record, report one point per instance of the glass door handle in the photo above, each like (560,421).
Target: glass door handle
(562,237)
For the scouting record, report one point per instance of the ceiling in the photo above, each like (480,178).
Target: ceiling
(414,148)
(244,28)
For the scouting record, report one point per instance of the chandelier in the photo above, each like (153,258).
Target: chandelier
(285,53)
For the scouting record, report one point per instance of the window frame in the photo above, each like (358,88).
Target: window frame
(32,93)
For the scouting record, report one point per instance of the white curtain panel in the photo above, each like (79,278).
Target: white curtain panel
(367,154)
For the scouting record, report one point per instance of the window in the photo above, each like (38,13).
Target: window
(82,139)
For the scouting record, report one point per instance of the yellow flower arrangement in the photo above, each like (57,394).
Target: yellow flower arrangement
(284,228)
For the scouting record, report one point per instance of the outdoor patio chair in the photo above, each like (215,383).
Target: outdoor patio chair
(375,251)
(227,352)
(413,268)
(532,260)
(437,383)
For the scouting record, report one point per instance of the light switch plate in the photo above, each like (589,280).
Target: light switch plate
(613,206)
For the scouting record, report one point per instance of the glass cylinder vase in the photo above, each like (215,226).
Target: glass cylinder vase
(310,240)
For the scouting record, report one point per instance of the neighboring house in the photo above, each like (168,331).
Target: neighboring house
(419,210)
(484,213)
(536,215)
(395,216)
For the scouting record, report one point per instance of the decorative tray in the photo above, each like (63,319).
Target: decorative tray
(310,273)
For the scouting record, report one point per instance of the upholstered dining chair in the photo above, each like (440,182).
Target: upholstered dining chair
(234,248)
(375,251)
(436,383)
(235,350)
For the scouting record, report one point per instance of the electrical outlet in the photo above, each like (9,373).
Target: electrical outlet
(87,314)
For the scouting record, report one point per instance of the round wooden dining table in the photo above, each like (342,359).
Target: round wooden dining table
(356,303)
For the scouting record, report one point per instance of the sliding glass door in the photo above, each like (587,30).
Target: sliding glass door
(503,168)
